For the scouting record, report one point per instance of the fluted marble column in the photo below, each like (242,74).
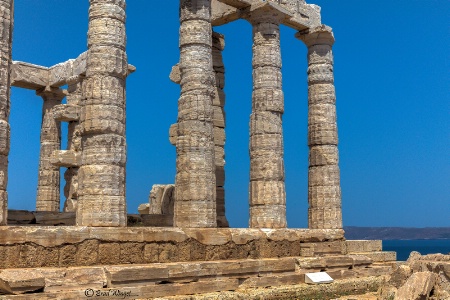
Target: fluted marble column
(6,29)
(195,182)
(267,188)
(47,198)
(324,191)
(101,178)
(219,121)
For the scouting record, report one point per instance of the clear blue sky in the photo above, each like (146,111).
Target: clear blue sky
(392,80)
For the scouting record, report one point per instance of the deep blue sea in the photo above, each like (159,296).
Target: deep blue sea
(405,247)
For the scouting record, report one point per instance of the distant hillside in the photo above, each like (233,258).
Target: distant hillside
(396,233)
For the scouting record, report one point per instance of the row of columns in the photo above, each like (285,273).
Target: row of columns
(101,130)
(195,194)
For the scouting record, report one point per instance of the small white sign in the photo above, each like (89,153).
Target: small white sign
(317,278)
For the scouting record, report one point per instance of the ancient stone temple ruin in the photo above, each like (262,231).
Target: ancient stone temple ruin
(181,243)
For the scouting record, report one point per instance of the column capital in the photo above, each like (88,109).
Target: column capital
(266,12)
(51,93)
(320,35)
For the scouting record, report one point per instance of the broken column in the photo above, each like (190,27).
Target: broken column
(218,43)
(47,198)
(6,29)
(267,189)
(195,182)
(324,191)
(101,178)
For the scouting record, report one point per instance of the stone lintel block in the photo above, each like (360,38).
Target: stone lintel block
(66,158)
(301,15)
(266,11)
(59,73)
(358,246)
(237,3)
(66,113)
(222,13)
(29,76)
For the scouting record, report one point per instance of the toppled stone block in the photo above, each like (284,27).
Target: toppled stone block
(418,286)
(399,276)
(19,282)
(144,208)
(162,199)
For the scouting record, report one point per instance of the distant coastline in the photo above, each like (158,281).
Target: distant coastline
(396,233)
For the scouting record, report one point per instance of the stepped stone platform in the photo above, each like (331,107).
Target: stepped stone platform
(64,246)
(46,262)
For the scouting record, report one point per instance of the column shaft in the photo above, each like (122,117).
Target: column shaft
(219,122)
(101,178)
(6,29)
(195,183)
(267,189)
(48,180)
(74,144)
(324,191)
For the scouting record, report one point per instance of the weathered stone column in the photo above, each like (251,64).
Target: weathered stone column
(267,189)
(6,29)
(74,97)
(47,198)
(101,178)
(219,121)
(195,183)
(324,191)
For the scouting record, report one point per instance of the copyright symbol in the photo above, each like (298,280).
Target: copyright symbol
(89,292)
